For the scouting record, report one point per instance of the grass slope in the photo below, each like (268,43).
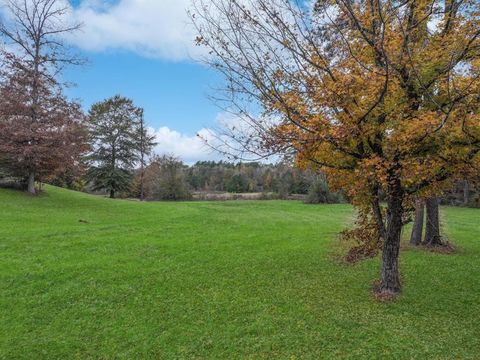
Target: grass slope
(220,280)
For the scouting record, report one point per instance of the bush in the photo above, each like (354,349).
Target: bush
(319,193)
(237,184)
(164,179)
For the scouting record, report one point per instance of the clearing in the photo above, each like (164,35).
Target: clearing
(87,277)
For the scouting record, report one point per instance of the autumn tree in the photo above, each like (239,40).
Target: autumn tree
(51,145)
(382,96)
(40,130)
(114,138)
(165,179)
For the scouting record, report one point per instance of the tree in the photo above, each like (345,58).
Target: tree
(41,131)
(236,184)
(432,230)
(466,193)
(319,193)
(417,228)
(114,138)
(164,179)
(51,145)
(146,142)
(381,96)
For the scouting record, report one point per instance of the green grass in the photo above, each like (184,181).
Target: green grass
(224,280)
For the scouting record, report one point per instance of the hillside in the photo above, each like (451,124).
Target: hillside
(87,277)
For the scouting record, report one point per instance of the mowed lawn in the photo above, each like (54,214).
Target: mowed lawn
(221,280)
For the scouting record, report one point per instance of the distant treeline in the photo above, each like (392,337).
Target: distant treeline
(167,178)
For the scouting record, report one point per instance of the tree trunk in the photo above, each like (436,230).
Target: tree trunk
(377,213)
(390,280)
(112,194)
(417,228)
(466,193)
(142,159)
(432,232)
(142,186)
(31,182)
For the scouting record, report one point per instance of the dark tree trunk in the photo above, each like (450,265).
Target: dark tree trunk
(142,195)
(142,189)
(466,193)
(142,180)
(390,280)
(142,159)
(31,182)
(432,232)
(417,228)
(112,194)
(377,213)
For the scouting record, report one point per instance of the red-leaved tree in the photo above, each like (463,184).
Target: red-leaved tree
(41,131)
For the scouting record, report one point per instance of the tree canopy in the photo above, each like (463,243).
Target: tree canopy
(380,95)
(119,141)
(41,131)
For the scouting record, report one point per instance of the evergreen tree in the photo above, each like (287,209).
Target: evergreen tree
(114,140)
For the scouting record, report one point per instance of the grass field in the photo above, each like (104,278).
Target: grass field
(224,280)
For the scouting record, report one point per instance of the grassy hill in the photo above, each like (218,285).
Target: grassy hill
(222,280)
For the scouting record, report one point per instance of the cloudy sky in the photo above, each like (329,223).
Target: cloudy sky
(144,49)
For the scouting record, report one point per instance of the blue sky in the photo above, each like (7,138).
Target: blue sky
(173,93)
(144,50)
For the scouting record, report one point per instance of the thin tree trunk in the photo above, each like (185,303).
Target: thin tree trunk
(390,278)
(417,228)
(142,159)
(112,165)
(31,182)
(142,191)
(466,193)
(432,232)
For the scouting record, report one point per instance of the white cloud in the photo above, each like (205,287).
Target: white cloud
(154,28)
(188,148)
(226,141)
(192,148)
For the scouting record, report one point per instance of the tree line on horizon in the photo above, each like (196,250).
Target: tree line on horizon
(166,177)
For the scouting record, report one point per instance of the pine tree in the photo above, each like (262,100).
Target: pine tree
(115,143)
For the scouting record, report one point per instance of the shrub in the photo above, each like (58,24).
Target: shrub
(319,193)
